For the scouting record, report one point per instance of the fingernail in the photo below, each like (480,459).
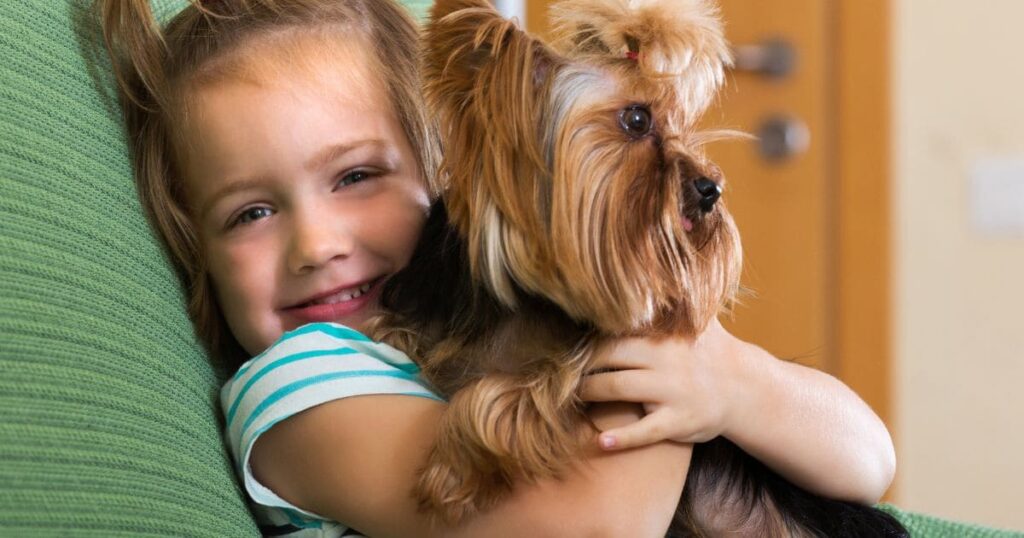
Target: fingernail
(607,441)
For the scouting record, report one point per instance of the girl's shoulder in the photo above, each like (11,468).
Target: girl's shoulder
(321,340)
(306,367)
(314,355)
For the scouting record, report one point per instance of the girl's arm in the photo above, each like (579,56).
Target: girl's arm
(804,424)
(355,460)
(811,428)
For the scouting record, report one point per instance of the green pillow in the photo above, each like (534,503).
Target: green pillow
(108,409)
(925,525)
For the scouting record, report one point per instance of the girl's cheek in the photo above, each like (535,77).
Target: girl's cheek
(237,271)
(243,278)
(404,223)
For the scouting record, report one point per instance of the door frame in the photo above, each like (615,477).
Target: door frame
(862,201)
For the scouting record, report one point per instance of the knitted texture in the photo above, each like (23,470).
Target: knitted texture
(933,527)
(108,410)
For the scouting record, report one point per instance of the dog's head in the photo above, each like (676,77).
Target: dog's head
(575,170)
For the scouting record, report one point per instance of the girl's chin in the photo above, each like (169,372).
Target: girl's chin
(356,321)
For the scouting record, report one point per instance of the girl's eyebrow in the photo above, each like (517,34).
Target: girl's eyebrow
(230,187)
(333,151)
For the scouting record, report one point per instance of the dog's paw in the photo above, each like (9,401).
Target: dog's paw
(452,490)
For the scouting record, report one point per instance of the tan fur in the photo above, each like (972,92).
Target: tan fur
(573,228)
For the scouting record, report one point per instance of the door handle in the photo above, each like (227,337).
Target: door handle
(782,137)
(772,58)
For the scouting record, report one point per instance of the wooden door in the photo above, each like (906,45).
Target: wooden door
(780,203)
(814,223)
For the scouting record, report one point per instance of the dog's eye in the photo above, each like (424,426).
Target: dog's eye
(636,120)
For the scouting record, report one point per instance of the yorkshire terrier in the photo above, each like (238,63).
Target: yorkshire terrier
(577,205)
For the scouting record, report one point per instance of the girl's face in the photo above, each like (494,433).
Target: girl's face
(306,193)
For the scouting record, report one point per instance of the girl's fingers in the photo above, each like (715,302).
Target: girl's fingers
(620,386)
(623,354)
(649,430)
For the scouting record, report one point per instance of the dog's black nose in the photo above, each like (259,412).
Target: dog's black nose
(709,192)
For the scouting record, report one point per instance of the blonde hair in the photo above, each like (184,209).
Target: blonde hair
(155,69)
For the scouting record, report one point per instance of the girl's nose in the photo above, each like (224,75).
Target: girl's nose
(315,242)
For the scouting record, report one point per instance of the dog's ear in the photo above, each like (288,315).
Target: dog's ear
(678,40)
(488,82)
(478,65)
(466,43)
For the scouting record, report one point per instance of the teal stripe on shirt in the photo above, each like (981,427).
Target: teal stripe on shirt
(337,331)
(299,521)
(315,380)
(281,362)
(342,332)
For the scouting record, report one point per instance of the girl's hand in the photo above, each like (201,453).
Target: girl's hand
(802,423)
(687,387)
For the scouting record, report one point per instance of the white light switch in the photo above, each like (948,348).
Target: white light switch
(997,196)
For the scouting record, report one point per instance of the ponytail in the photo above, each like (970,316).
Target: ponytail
(137,50)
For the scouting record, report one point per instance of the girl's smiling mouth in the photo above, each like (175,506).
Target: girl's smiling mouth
(337,303)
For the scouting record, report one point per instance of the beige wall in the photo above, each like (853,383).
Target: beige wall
(959,293)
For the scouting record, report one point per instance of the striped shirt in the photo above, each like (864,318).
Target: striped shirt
(308,366)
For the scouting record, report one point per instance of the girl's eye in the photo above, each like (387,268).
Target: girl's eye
(251,214)
(354,177)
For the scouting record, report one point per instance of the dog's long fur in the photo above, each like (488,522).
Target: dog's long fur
(563,224)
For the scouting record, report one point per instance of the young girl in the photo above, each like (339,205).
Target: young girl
(284,154)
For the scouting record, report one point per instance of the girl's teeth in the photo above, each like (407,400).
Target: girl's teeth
(344,295)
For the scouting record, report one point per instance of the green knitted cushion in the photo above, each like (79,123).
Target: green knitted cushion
(109,422)
(107,403)
(925,525)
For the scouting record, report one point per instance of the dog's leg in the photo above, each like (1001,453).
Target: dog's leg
(498,431)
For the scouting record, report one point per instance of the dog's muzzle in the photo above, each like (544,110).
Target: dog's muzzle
(709,192)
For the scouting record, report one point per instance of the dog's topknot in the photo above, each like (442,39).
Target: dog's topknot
(679,39)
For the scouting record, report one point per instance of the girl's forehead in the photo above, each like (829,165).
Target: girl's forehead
(294,57)
(269,117)
(315,69)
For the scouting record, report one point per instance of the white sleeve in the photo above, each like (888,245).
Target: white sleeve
(308,366)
